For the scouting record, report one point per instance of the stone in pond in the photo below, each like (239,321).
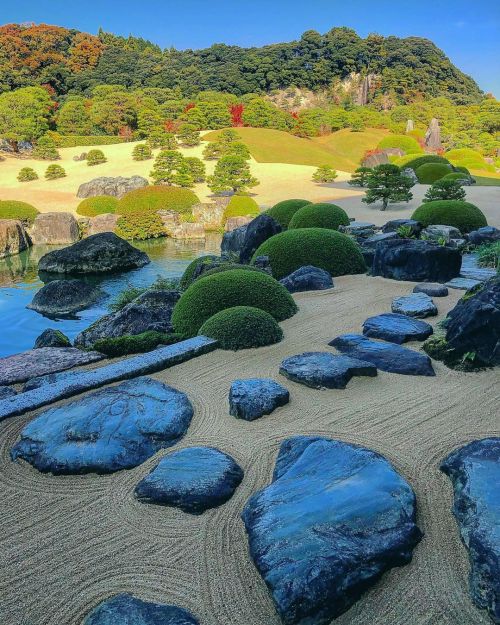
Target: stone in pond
(128,610)
(385,356)
(335,518)
(6,391)
(307,278)
(192,479)
(324,370)
(432,289)
(475,472)
(253,398)
(51,338)
(417,305)
(62,298)
(396,328)
(114,428)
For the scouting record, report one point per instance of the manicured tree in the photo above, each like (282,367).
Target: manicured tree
(24,115)
(445,190)
(46,149)
(360,177)
(160,138)
(387,184)
(188,135)
(112,109)
(228,136)
(54,171)
(232,173)
(73,118)
(325,173)
(27,174)
(212,151)
(182,177)
(149,120)
(236,148)
(196,168)
(166,166)
(95,157)
(142,152)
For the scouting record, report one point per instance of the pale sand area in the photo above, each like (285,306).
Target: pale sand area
(67,543)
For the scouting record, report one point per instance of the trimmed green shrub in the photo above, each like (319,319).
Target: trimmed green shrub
(240,206)
(53,172)
(74,141)
(228,266)
(360,177)
(325,173)
(239,287)
(27,174)
(97,205)
(459,154)
(154,198)
(403,142)
(142,152)
(134,343)
(430,172)
(285,210)
(95,157)
(13,209)
(445,190)
(188,275)
(415,163)
(196,168)
(46,149)
(321,247)
(462,215)
(321,215)
(462,170)
(140,226)
(242,327)
(455,175)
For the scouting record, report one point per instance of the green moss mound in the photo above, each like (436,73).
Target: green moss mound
(455,175)
(12,209)
(241,206)
(242,327)
(415,163)
(140,226)
(430,172)
(320,215)
(154,198)
(328,249)
(188,275)
(97,205)
(462,215)
(134,344)
(403,142)
(229,267)
(285,210)
(240,287)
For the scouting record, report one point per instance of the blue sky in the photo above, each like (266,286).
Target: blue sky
(467,30)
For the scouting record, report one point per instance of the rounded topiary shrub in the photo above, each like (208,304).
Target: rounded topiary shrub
(321,247)
(97,205)
(239,287)
(430,172)
(320,215)
(154,198)
(415,163)
(403,142)
(456,175)
(462,215)
(53,172)
(242,327)
(95,157)
(142,152)
(189,273)
(27,174)
(140,226)
(228,266)
(240,206)
(13,209)
(285,210)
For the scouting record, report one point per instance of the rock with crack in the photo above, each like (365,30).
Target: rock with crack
(335,518)
(194,479)
(417,305)
(252,398)
(307,278)
(396,328)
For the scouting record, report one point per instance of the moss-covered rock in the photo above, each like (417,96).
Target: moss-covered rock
(97,205)
(151,199)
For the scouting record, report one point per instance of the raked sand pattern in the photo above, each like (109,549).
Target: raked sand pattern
(69,542)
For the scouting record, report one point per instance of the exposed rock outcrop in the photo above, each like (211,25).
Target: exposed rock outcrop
(54,229)
(116,186)
(13,237)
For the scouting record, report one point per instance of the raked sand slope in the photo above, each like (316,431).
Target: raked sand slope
(67,543)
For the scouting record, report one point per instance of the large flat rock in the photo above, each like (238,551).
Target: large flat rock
(396,328)
(335,518)
(418,305)
(255,397)
(115,428)
(475,472)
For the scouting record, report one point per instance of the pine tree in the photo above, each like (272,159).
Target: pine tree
(388,184)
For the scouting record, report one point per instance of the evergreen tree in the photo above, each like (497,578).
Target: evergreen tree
(387,184)
(232,173)
(445,190)
(166,167)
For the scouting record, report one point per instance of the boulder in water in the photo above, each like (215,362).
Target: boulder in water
(63,298)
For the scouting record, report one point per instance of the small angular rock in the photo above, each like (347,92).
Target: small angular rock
(307,278)
(417,305)
(51,338)
(255,397)
(432,289)
(396,328)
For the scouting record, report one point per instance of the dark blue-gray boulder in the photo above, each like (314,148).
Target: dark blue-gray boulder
(51,338)
(415,227)
(6,391)
(463,284)
(475,473)
(128,610)
(232,241)
(432,289)
(417,305)
(64,298)
(257,231)
(385,356)
(486,234)
(115,428)
(414,260)
(307,278)
(396,328)
(192,479)
(252,398)
(335,518)
(324,369)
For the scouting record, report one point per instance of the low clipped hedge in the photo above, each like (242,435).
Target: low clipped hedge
(462,215)
(97,205)
(242,327)
(13,209)
(140,226)
(285,210)
(430,172)
(240,206)
(188,275)
(134,343)
(74,141)
(321,215)
(416,162)
(321,247)
(157,197)
(403,142)
(239,287)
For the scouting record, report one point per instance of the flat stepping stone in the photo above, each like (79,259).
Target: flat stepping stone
(432,289)
(396,328)
(116,428)
(417,305)
(255,397)
(192,479)
(385,356)
(463,284)
(6,391)
(127,610)
(324,369)
(335,518)
(475,473)
(307,278)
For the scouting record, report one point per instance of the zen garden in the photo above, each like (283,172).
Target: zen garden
(250,338)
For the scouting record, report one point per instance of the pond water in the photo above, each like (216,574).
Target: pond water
(19,281)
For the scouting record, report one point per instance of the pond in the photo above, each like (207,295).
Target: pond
(19,281)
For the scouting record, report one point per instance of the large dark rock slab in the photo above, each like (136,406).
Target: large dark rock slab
(99,253)
(51,338)
(232,241)
(108,185)
(432,289)
(252,398)
(307,278)
(127,610)
(257,231)
(115,428)
(417,305)
(475,472)
(324,370)
(385,356)
(192,479)
(335,518)
(62,298)
(396,328)
(409,259)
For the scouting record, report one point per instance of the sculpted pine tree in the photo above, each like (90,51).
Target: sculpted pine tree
(166,166)
(445,190)
(232,173)
(387,184)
